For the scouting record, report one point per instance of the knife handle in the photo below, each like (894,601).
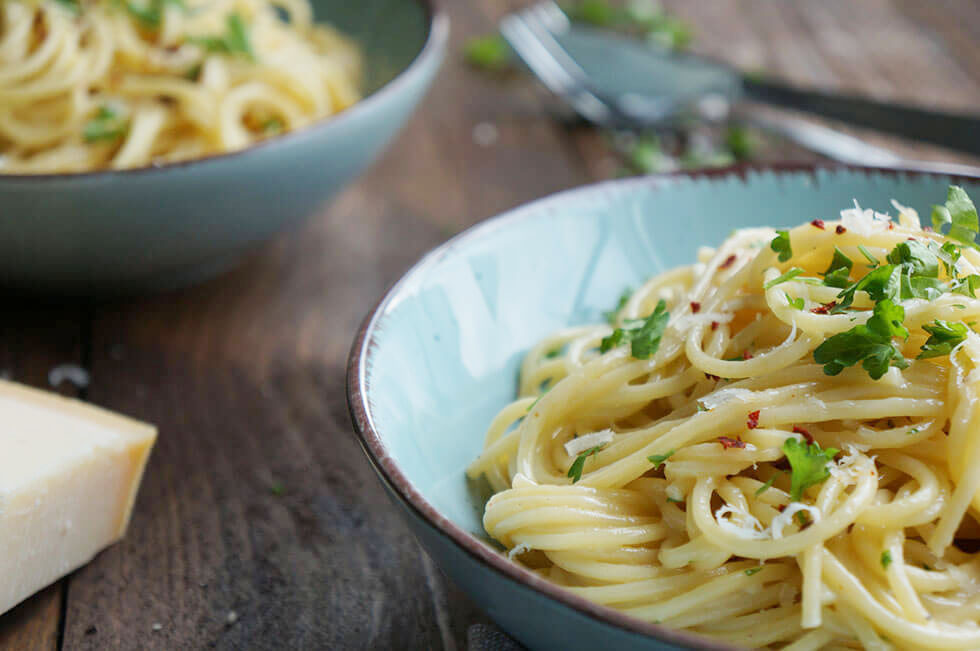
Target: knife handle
(955,131)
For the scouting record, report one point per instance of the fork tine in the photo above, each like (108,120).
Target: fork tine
(552,16)
(525,37)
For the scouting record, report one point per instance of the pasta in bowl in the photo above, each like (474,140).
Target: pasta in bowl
(769,446)
(103,84)
(149,144)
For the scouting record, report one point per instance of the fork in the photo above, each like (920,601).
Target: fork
(531,32)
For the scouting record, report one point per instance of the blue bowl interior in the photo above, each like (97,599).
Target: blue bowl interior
(390,32)
(447,343)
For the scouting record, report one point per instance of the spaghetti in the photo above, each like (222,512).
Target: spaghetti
(776,447)
(114,84)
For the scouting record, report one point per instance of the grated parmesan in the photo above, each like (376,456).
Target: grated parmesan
(863,221)
(748,527)
(907,217)
(577,446)
(786,517)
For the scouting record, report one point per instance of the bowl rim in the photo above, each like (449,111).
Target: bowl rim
(387,469)
(432,51)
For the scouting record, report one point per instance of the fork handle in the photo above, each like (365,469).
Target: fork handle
(956,131)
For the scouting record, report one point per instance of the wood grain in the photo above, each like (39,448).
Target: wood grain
(260,524)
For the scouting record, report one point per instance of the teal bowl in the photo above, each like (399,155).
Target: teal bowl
(439,356)
(163,227)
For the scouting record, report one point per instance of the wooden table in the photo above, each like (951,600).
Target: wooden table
(260,523)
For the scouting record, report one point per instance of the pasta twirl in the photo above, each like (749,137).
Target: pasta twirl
(777,447)
(114,84)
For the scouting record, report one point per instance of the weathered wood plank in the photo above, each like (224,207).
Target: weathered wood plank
(245,379)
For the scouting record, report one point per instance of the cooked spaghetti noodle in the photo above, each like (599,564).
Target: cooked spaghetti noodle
(776,447)
(114,84)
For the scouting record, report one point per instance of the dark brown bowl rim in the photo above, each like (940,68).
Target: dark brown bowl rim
(401,486)
(436,39)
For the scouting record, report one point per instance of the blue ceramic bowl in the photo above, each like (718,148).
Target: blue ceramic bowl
(162,227)
(439,355)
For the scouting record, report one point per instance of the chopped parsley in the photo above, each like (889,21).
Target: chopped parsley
(277,489)
(766,486)
(786,277)
(883,282)
(839,272)
(150,13)
(753,570)
(640,18)
(781,245)
(797,303)
(886,559)
(575,471)
(272,125)
(943,338)
(809,464)
(867,256)
(643,335)
(966,286)
(106,125)
(871,343)
(659,459)
(538,399)
(624,298)
(959,214)
(235,40)
(489,52)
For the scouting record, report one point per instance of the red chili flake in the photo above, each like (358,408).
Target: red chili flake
(891,226)
(840,229)
(727,442)
(712,377)
(714,326)
(824,309)
(781,508)
(927,229)
(753,420)
(802,432)
(746,355)
(728,262)
(818,223)
(695,307)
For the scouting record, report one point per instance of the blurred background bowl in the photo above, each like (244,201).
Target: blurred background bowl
(439,356)
(163,227)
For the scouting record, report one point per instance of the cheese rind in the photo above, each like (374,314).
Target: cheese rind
(69,475)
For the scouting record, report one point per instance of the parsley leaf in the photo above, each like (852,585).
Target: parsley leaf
(943,338)
(753,570)
(949,254)
(234,41)
(781,245)
(796,303)
(150,13)
(659,459)
(614,313)
(959,214)
(766,486)
(643,335)
(575,471)
(883,282)
(919,258)
(967,286)
(786,277)
(106,125)
(886,559)
(809,464)
(490,52)
(867,256)
(869,343)
(839,271)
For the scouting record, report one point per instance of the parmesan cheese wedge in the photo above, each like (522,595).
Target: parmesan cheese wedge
(69,474)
